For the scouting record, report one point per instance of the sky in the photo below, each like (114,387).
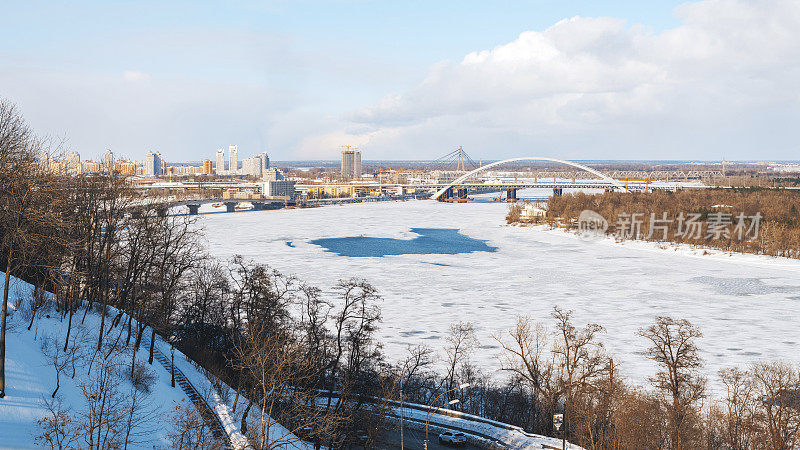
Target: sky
(590,79)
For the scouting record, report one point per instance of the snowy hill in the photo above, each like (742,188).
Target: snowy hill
(87,378)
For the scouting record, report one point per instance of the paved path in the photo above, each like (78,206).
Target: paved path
(206,412)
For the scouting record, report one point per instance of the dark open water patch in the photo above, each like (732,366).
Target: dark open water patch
(431,241)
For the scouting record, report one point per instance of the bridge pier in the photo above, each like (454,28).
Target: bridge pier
(194,208)
(230,206)
(259,206)
(462,193)
(557,192)
(511,195)
(446,195)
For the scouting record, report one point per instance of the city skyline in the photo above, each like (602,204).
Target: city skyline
(601,80)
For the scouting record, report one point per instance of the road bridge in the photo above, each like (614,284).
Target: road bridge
(162,204)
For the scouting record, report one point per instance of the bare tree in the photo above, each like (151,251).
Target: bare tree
(778,388)
(580,360)
(420,358)
(640,421)
(354,352)
(527,356)
(56,358)
(58,428)
(177,252)
(734,420)
(190,429)
(674,349)
(25,212)
(275,366)
(461,343)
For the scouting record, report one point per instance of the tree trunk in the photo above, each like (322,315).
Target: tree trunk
(33,316)
(128,339)
(236,399)
(139,332)
(244,416)
(152,344)
(102,326)
(133,360)
(104,293)
(58,382)
(69,327)
(3,328)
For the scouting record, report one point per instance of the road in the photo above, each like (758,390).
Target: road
(412,440)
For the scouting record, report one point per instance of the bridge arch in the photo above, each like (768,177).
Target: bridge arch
(458,180)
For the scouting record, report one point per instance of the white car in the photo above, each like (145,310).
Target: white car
(452,438)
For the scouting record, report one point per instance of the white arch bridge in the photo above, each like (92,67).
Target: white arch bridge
(446,191)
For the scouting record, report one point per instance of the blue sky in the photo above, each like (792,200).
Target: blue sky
(587,79)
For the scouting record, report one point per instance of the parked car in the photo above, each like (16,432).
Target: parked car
(452,438)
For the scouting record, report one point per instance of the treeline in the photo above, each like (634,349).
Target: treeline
(749,220)
(557,367)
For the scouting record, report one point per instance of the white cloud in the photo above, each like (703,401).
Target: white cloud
(135,75)
(722,83)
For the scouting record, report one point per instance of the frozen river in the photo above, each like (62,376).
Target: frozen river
(747,307)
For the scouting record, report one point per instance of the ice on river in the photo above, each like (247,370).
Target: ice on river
(746,306)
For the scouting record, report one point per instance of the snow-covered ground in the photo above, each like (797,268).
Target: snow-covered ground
(747,306)
(31,379)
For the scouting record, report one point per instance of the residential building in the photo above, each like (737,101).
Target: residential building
(220,161)
(58,167)
(280,188)
(108,161)
(208,167)
(272,175)
(44,159)
(264,162)
(90,167)
(233,160)
(127,167)
(74,162)
(152,164)
(351,163)
(252,166)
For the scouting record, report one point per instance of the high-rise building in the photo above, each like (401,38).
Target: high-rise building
(252,166)
(74,162)
(220,161)
(108,161)
(272,174)
(264,162)
(233,157)
(208,167)
(351,162)
(152,164)
(44,159)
